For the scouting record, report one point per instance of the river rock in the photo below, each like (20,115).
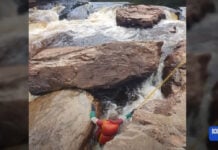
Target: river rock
(81,12)
(197,9)
(159,124)
(142,16)
(60,120)
(102,66)
(197,75)
(178,79)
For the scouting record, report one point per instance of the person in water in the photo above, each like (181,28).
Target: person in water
(107,128)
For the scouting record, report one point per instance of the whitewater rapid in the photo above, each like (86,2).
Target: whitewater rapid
(102,22)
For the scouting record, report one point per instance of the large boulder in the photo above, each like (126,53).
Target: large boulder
(102,66)
(134,138)
(178,79)
(159,124)
(141,16)
(60,120)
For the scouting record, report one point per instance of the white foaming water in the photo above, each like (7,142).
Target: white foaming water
(147,87)
(103,22)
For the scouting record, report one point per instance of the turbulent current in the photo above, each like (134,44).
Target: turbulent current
(100,27)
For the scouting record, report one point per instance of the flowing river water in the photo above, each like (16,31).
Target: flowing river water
(100,27)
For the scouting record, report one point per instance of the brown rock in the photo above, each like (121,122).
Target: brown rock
(134,138)
(101,66)
(142,16)
(165,120)
(60,120)
(196,10)
(178,79)
(196,78)
(159,124)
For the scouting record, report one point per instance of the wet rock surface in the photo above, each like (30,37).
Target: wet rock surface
(178,79)
(60,120)
(92,67)
(141,16)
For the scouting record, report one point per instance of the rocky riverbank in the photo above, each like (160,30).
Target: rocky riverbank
(76,61)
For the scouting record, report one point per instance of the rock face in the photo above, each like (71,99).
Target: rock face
(134,138)
(196,10)
(159,124)
(141,16)
(178,79)
(101,66)
(60,120)
(196,79)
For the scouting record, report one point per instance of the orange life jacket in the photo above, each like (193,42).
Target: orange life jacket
(108,129)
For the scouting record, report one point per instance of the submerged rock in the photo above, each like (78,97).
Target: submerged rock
(141,16)
(178,79)
(102,66)
(60,120)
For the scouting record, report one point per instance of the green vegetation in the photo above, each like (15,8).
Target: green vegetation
(169,3)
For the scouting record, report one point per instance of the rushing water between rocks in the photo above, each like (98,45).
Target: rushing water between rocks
(94,24)
(100,27)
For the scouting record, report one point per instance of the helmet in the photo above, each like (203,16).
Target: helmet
(113,115)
